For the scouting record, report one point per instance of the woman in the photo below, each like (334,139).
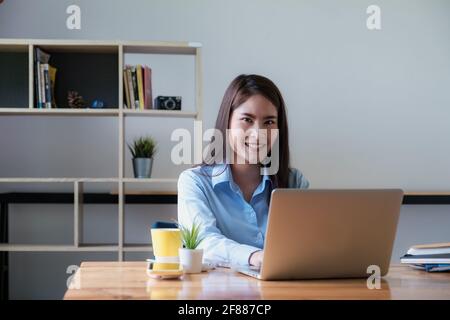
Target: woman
(227,194)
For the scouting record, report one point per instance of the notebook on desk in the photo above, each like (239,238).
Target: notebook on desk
(426,259)
(429,257)
(432,248)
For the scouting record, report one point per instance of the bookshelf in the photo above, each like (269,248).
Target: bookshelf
(94,67)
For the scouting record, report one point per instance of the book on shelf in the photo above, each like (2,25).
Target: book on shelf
(148,97)
(44,80)
(137,84)
(125,86)
(129,81)
(140,84)
(52,75)
(47,89)
(42,84)
(135,87)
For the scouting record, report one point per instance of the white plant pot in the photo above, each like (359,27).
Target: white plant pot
(191,260)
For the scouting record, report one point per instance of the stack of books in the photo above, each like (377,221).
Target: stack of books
(44,79)
(429,257)
(137,82)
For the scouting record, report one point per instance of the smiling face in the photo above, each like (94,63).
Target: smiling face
(252,129)
(251,105)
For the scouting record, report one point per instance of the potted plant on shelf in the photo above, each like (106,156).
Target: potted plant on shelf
(142,151)
(191,258)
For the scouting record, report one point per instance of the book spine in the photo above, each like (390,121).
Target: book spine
(135,88)
(52,75)
(150,81)
(148,88)
(48,94)
(130,87)
(42,85)
(145,81)
(37,77)
(140,83)
(125,86)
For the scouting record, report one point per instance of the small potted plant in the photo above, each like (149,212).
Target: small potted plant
(142,151)
(191,258)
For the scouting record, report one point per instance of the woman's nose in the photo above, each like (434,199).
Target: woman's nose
(252,133)
(256,132)
(257,125)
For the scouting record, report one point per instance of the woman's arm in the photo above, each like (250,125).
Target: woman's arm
(193,206)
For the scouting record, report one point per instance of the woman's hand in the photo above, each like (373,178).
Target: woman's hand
(256,258)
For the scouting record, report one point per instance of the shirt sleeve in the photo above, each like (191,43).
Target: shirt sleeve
(298,180)
(193,206)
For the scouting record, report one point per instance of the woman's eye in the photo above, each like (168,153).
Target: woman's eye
(247,119)
(270,122)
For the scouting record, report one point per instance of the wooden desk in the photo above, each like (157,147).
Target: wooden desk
(129,280)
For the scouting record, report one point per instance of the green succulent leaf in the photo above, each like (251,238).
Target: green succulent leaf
(143,147)
(190,236)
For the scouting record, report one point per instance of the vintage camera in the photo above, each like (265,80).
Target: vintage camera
(168,103)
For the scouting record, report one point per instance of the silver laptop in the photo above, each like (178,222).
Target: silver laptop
(314,234)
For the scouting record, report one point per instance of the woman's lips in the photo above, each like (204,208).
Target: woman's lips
(254,145)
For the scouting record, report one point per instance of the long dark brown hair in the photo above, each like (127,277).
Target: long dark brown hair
(240,89)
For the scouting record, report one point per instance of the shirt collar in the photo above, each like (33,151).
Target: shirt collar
(221,173)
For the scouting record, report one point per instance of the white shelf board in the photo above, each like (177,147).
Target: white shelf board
(159,113)
(58,180)
(138,248)
(159,47)
(60,111)
(55,248)
(14,111)
(150,180)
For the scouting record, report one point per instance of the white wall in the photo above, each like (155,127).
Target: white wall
(366,108)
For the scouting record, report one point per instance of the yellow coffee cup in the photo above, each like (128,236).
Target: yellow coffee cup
(166,243)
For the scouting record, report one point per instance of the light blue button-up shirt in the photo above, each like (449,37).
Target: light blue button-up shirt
(232,228)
